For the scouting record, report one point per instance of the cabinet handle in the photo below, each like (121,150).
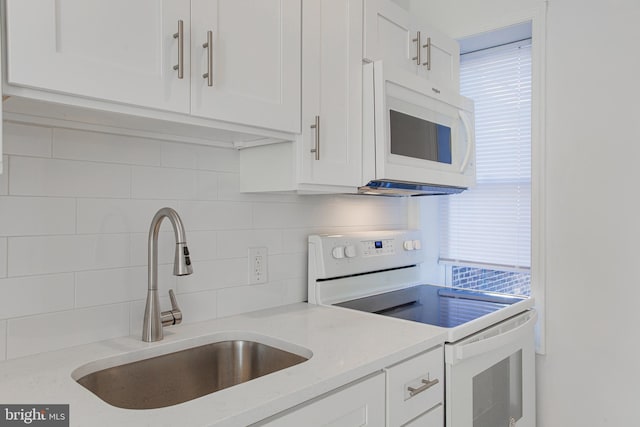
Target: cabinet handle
(417,41)
(427,385)
(316,126)
(428,46)
(209,46)
(180,36)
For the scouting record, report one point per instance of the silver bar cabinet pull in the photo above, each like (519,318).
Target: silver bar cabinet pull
(427,385)
(316,126)
(428,46)
(180,36)
(417,40)
(209,46)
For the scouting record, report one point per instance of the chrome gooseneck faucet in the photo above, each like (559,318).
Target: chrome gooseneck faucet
(154,319)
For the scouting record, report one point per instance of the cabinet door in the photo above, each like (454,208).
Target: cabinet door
(116,50)
(389,35)
(332,92)
(440,58)
(361,404)
(255,62)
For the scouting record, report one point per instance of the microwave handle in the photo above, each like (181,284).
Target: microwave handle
(467,351)
(467,128)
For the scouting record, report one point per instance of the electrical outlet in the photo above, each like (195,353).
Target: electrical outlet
(258,260)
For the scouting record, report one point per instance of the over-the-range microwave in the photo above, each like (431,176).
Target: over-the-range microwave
(418,138)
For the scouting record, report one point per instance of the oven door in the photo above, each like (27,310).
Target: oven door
(490,376)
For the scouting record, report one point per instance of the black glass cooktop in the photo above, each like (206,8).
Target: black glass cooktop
(433,305)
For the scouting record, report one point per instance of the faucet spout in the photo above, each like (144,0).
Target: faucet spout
(154,319)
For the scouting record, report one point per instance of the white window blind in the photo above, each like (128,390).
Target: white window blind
(490,224)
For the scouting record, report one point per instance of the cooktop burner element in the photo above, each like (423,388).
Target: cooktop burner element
(433,305)
(382,272)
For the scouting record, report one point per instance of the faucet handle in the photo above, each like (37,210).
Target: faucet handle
(173,316)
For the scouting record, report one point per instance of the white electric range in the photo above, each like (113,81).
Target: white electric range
(489,349)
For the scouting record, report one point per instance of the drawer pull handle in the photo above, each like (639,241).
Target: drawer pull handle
(316,127)
(428,46)
(417,41)
(180,36)
(209,46)
(427,385)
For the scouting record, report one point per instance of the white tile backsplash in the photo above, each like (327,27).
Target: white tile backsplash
(207,185)
(189,156)
(164,183)
(102,147)
(54,293)
(31,176)
(198,306)
(166,245)
(288,266)
(216,215)
(118,215)
(203,245)
(75,211)
(100,287)
(30,216)
(3,257)
(236,243)
(249,298)
(56,254)
(3,340)
(4,176)
(215,274)
(25,140)
(35,334)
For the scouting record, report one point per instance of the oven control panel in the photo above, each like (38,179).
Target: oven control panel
(378,247)
(354,253)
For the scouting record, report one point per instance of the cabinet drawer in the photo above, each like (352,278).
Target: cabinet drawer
(433,418)
(414,386)
(358,404)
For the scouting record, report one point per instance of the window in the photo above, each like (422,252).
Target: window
(485,234)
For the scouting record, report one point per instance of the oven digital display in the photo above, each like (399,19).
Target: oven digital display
(377,247)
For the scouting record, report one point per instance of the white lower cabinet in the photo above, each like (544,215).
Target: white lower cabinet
(433,418)
(415,388)
(407,394)
(356,404)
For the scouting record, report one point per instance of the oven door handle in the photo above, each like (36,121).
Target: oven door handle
(464,351)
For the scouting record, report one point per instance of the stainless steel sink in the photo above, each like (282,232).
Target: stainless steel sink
(186,374)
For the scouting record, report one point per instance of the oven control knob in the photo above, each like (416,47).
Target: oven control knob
(350,251)
(408,245)
(338,252)
(417,245)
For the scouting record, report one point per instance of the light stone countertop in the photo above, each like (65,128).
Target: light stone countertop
(346,345)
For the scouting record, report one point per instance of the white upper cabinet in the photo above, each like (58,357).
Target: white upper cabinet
(439,58)
(396,36)
(114,50)
(149,53)
(327,156)
(253,64)
(331,149)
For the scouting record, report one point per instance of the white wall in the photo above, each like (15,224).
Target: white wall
(75,209)
(590,374)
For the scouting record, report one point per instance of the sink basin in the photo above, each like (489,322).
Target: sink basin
(184,375)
